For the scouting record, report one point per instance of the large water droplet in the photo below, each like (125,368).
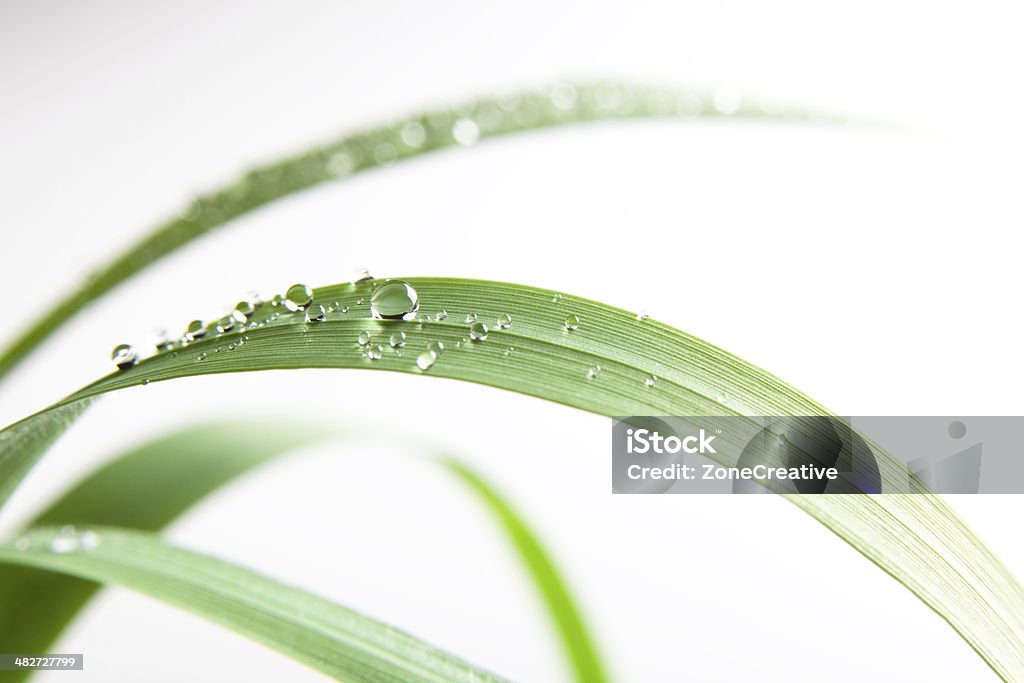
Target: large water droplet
(315,313)
(243,311)
(394,300)
(504,321)
(425,360)
(397,339)
(466,132)
(362,275)
(414,134)
(195,330)
(124,356)
(571,322)
(374,351)
(478,331)
(298,297)
(225,324)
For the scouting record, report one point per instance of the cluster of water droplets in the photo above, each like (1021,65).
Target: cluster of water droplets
(68,539)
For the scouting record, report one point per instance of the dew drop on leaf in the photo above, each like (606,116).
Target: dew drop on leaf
(436,347)
(425,360)
(374,352)
(298,297)
(571,322)
(195,330)
(651,381)
(471,317)
(593,372)
(243,311)
(394,300)
(478,331)
(466,132)
(124,356)
(315,313)
(364,338)
(397,339)
(504,321)
(642,315)
(225,324)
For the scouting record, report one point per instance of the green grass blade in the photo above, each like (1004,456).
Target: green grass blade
(576,639)
(144,489)
(328,637)
(377,147)
(918,539)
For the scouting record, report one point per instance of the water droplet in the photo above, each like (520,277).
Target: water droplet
(394,300)
(65,541)
(340,164)
(466,132)
(509,350)
(563,96)
(642,315)
(651,381)
(593,372)
(124,356)
(195,330)
(201,356)
(225,324)
(722,398)
(374,351)
(436,347)
(441,315)
(364,338)
(243,311)
(362,275)
(397,339)
(344,309)
(478,331)
(425,360)
(504,321)
(385,154)
(276,301)
(298,297)
(414,134)
(556,298)
(571,322)
(315,313)
(471,317)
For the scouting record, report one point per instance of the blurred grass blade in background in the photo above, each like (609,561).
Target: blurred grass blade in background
(144,489)
(575,635)
(597,358)
(460,125)
(325,636)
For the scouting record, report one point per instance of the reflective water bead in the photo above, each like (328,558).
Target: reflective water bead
(124,356)
(478,331)
(225,324)
(394,300)
(364,338)
(195,330)
(593,372)
(571,322)
(315,313)
(504,321)
(243,311)
(466,132)
(374,352)
(425,360)
(298,297)
(436,347)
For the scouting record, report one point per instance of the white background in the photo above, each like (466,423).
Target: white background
(115,113)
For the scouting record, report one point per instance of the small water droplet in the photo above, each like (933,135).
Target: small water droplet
(124,356)
(65,541)
(593,372)
(441,315)
(315,313)
(394,300)
(243,311)
(425,360)
(397,339)
(195,330)
(201,356)
(374,351)
(277,300)
(340,164)
(504,321)
(466,132)
(89,540)
(722,398)
(362,275)
(364,338)
(642,315)
(651,381)
(436,347)
(471,317)
(509,350)
(344,309)
(571,322)
(556,298)
(414,134)
(478,331)
(225,324)
(298,297)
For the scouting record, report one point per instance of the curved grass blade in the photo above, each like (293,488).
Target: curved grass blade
(576,638)
(461,124)
(325,636)
(918,539)
(144,489)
